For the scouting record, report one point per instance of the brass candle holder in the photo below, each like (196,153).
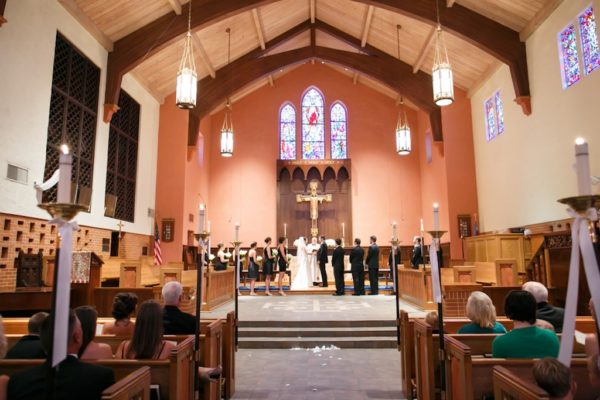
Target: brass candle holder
(580,204)
(436,234)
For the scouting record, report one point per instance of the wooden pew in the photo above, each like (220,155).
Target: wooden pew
(509,385)
(135,386)
(583,324)
(407,354)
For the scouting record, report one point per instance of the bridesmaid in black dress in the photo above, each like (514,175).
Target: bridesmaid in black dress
(281,262)
(252,267)
(268,261)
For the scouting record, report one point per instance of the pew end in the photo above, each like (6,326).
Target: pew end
(135,386)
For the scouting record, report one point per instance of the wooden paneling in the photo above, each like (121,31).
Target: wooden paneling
(514,14)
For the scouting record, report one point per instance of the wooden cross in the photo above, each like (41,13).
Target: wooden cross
(314,200)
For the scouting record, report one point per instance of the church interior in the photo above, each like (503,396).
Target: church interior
(241,148)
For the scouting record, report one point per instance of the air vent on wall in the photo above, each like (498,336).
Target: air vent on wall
(16,174)
(151,212)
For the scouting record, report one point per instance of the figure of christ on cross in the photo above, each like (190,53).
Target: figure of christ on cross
(314,200)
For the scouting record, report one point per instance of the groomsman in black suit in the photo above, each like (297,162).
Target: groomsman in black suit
(373,264)
(337,260)
(417,255)
(322,259)
(357,265)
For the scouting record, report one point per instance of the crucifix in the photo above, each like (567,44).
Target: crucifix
(314,200)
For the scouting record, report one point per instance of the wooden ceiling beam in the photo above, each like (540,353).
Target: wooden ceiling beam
(490,36)
(539,19)
(203,56)
(450,3)
(388,70)
(355,78)
(423,53)
(259,28)
(175,5)
(89,25)
(366,26)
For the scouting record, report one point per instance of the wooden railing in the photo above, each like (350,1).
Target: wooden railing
(539,268)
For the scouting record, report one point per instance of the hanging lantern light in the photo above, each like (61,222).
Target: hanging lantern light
(187,79)
(227,133)
(403,143)
(441,73)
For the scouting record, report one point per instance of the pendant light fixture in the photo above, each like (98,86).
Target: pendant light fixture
(443,85)
(227,129)
(403,144)
(187,79)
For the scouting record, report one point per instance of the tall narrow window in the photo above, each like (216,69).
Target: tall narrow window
(287,132)
(121,169)
(494,116)
(313,126)
(589,41)
(569,60)
(339,130)
(73,114)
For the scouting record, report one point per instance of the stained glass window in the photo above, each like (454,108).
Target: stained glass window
(569,60)
(313,127)
(494,116)
(339,130)
(589,41)
(287,132)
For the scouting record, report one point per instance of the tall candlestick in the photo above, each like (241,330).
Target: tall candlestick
(201,219)
(64,175)
(582,163)
(436,216)
(394,232)
(208,226)
(284,230)
(343,229)
(422,227)
(237,231)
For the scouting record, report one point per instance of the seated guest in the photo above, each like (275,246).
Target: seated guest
(555,378)
(123,306)
(30,346)
(540,323)
(525,340)
(431,318)
(545,311)
(147,340)
(175,321)
(482,313)
(73,380)
(91,350)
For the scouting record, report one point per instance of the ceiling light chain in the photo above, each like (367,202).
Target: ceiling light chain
(403,142)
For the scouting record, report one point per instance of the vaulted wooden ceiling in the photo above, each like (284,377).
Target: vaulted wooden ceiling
(269,37)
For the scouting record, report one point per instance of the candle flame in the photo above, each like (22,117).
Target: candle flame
(579,141)
(64,148)
(436,206)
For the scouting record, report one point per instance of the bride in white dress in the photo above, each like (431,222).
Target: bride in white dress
(303,278)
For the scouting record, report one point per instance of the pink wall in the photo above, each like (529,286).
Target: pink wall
(385,187)
(170,183)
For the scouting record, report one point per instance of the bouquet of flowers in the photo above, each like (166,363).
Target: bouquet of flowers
(289,258)
(211,257)
(274,252)
(227,254)
(330,243)
(243,252)
(259,258)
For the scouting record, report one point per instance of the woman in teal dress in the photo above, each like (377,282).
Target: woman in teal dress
(482,313)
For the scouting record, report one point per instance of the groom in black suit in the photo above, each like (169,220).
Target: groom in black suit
(373,264)
(357,265)
(73,380)
(322,259)
(337,260)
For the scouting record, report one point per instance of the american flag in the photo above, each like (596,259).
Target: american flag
(157,252)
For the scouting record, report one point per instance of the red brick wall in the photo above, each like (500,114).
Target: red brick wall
(32,235)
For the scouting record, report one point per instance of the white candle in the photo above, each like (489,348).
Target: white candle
(582,163)
(64,175)
(208,226)
(343,229)
(237,231)
(201,219)
(284,230)
(436,217)
(422,227)
(394,230)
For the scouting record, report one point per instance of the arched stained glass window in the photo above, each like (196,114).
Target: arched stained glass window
(589,40)
(313,127)
(287,132)
(339,131)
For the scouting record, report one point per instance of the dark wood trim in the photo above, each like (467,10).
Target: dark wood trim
(2,8)
(488,35)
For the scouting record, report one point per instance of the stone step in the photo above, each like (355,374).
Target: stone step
(367,342)
(317,324)
(318,332)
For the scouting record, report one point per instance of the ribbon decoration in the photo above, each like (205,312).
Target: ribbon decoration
(435,272)
(42,187)
(581,241)
(63,289)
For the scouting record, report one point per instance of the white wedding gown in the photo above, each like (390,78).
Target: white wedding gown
(303,278)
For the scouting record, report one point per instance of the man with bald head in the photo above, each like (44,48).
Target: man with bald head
(175,321)
(545,311)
